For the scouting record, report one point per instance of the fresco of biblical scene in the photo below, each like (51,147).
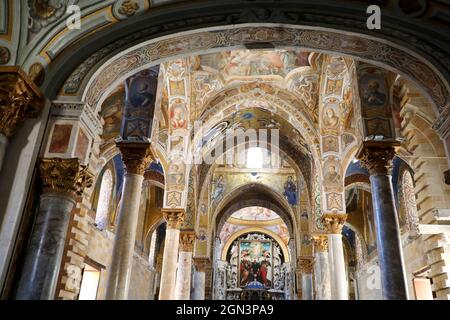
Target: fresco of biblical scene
(256,62)
(330,144)
(60,138)
(178,114)
(255,263)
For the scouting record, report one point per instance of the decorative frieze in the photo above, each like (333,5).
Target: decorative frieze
(174,217)
(333,222)
(187,239)
(136,155)
(19,99)
(320,242)
(377,156)
(64,176)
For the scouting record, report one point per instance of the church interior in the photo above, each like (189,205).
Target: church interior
(171,150)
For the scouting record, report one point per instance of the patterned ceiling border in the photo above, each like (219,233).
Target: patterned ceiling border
(377,52)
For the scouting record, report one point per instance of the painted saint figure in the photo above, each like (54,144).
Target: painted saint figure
(372,96)
(218,190)
(290,191)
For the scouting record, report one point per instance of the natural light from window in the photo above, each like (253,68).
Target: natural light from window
(254,158)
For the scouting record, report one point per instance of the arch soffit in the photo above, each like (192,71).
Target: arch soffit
(215,39)
(274,202)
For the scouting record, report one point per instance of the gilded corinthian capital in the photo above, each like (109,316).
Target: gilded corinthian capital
(174,217)
(136,155)
(320,242)
(377,156)
(64,176)
(19,99)
(187,239)
(333,222)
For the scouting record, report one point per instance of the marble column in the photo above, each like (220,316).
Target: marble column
(63,181)
(306,265)
(174,218)
(321,268)
(200,264)
(377,158)
(339,283)
(136,157)
(23,100)
(183,282)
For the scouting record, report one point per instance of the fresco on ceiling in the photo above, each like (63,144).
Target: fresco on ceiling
(255,214)
(255,62)
(260,217)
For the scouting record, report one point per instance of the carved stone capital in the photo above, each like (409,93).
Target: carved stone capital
(320,242)
(305,264)
(187,239)
(447,177)
(19,99)
(377,156)
(136,155)
(333,222)
(174,217)
(201,263)
(64,176)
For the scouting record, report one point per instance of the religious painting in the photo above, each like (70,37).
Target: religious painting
(82,145)
(290,191)
(332,175)
(140,103)
(178,114)
(330,144)
(177,88)
(374,95)
(347,139)
(217,192)
(60,138)
(334,201)
(201,235)
(255,263)
(176,173)
(256,62)
(336,67)
(379,127)
(334,87)
(330,120)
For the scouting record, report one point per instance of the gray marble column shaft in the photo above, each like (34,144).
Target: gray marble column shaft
(183,282)
(307,286)
(339,287)
(322,276)
(122,259)
(169,266)
(199,285)
(393,280)
(46,247)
